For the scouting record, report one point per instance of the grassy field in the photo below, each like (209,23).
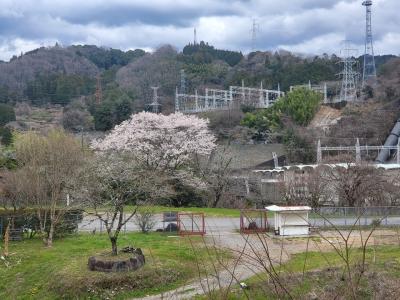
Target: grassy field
(319,269)
(35,272)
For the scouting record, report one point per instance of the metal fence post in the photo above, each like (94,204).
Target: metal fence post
(387,214)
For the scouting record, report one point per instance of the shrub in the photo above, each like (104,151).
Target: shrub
(7,114)
(145,219)
(300,105)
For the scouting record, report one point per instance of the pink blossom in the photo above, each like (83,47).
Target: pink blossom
(160,141)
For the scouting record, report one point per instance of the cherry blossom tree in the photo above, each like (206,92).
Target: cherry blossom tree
(160,142)
(114,187)
(138,162)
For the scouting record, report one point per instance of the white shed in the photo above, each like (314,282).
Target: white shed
(290,220)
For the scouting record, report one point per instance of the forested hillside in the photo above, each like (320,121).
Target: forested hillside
(122,80)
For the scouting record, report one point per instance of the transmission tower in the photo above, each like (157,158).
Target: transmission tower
(255,28)
(98,94)
(194,36)
(348,91)
(369,70)
(183,82)
(155,106)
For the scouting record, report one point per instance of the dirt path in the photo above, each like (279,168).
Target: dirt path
(279,251)
(233,274)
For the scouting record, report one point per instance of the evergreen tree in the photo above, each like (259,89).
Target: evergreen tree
(7,114)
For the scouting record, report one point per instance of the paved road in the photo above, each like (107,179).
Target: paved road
(223,232)
(213,224)
(223,225)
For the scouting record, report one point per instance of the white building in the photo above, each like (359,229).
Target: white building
(290,220)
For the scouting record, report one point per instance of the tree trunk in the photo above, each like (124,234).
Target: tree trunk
(6,239)
(216,200)
(49,242)
(114,245)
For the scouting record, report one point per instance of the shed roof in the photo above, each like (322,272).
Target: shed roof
(277,208)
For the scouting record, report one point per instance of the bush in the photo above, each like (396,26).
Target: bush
(298,149)
(184,196)
(145,219)
(7,160)
(300,105)
(7,114)
(6,136)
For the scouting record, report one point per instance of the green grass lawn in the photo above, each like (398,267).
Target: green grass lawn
(35,272)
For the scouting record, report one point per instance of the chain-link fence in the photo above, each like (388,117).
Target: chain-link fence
(26,224)
(349,216)
(166,222)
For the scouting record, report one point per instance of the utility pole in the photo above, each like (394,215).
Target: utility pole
(369,69)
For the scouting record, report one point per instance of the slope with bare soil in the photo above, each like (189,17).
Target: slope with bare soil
(325,117)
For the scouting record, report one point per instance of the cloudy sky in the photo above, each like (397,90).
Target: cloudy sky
(304,26)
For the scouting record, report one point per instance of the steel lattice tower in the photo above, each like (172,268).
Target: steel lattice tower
(155,106)
(183,82)
(348,91)
(369,70)
(254,30)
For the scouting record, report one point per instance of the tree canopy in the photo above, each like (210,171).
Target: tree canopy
(159,141)
(300,105)
(204,53)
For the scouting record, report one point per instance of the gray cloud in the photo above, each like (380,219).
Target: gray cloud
(309,26)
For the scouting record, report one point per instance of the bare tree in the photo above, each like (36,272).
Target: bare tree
(307,187)
(15,192)
(357,185)
(215,172)
(145,219)
(48,165)
(112,182)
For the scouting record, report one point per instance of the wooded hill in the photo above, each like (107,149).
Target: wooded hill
(67,75)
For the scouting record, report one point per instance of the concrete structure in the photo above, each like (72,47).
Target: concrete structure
(290,220)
